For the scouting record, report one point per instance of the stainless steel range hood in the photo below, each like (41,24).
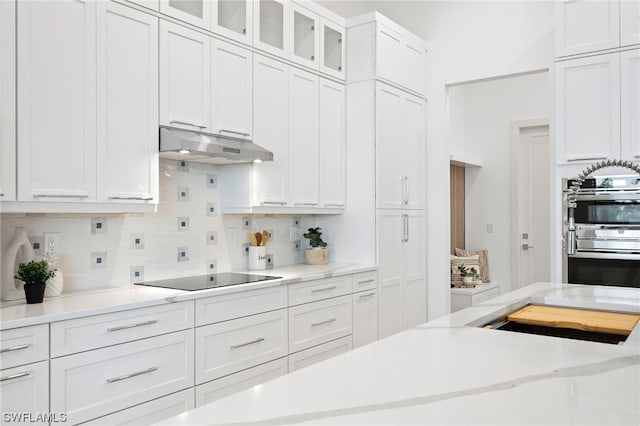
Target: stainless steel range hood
(180,144)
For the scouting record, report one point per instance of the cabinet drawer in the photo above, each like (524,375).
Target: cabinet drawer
(365,281)
(485,295)
(311,291)
(98,331)
(236,305)
(231,346)
(24,345)
(319,353)
(319,322)
(150,412)
(94,383)
(25,389)
(216,389)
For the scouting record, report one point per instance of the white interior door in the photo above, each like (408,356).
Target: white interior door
(533,205)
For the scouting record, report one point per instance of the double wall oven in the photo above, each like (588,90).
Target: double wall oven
(607,221)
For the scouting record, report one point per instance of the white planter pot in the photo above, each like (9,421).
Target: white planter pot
(316,256)
(467,280)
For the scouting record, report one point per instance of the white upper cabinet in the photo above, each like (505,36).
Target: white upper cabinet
(588,108)
(629,22)
(269,17)
(303,138)
(593,25)
(233,19)
(332,49)
(306,36)
(149,4)
(7,101)
(185,78)
(630,104)
(379,48)
(400,138)
(127,124)
(57,104)
(232,95)
(271,127)
(332,149)
(196,12)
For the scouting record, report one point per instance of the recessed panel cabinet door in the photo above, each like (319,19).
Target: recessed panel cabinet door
(389,54)
(390,291)
(7,101)
(586,26)
(390,133)
(630,104)
(232,91)
(185,78)
(629,22)
(57,102)
(303,138)
(25,389)
(414,309)
(270,126)
(412,149)
(332,147)
(127,104)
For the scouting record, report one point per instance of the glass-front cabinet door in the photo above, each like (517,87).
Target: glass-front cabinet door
(332,48)
(306,39)
(269,26)
(196,12)
(233,19)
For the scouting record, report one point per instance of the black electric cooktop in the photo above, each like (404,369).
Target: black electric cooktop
(202,282)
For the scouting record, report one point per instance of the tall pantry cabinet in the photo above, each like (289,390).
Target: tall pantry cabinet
(386,132)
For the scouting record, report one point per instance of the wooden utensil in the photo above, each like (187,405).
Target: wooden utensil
(258,237)
(252,239)
(266,236)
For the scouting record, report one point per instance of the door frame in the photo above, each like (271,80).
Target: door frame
(517,127)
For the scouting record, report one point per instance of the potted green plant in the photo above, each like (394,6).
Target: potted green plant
(468,274)
(34,274)
(318,254)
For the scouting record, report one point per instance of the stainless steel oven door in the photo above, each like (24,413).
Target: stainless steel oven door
(615,269)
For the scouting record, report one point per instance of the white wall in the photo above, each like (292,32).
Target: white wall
(468,41)
(490,108)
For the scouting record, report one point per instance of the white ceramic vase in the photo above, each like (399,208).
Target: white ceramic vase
(54,285)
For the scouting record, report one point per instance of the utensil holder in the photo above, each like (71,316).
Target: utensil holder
(257,258)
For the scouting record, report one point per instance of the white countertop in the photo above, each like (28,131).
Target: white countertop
(448,372)
(73,305)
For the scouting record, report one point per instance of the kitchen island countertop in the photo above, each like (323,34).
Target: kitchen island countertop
(450,371)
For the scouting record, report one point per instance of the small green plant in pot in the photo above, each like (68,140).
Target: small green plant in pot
(34,274)
(318,254)
(468,274)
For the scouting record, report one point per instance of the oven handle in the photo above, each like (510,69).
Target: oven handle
(605,255)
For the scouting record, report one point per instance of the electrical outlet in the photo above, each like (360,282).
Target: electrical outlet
(183,254)
(489,228)
(183,193)
(212,210)
(212,266)
(246,223)
(137,274)
(212,181)
(98,260)
(183,224)
(137,241)
(269,261)
(245,249)
(183,166)
(98,225)
(212,238)
(51,243)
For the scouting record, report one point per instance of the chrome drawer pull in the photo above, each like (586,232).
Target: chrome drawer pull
(125,327)
(366,296)
(234,132)
(128,376)
(186,123)
(305,204)
(131,198)
(15,376)
(334,205)
(277,203)
(258,340)
(330,320)
(318,290)
(60,196)
(14,348)
(366,281)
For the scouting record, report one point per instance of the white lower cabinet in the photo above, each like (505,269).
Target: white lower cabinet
(319,353)
(464,297)
(150,412)
(91,384)
(216,389)
(365,317)
(226,347)
(24,345)
(25,390)
(319,322)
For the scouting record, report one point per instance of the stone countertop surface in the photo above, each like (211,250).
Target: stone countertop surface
(449,371)
(80,304)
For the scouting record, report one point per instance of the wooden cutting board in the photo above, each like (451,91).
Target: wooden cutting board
(580,319)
